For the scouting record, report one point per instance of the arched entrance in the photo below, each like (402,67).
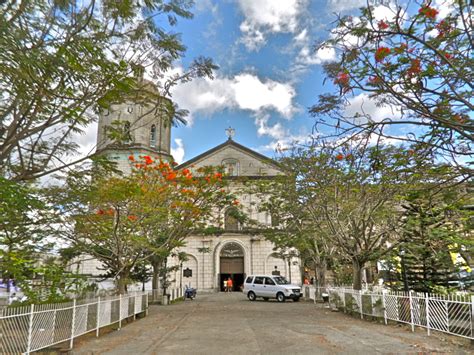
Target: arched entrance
(232,265)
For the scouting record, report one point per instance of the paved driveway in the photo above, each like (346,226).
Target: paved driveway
(229,323)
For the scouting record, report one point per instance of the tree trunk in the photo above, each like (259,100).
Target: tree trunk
(369,275)
(321,270)
(155,279)
(122,282)
(356,274)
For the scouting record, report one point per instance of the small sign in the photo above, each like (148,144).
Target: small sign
(188,272)
(276,272)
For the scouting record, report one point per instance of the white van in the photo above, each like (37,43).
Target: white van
(267,287)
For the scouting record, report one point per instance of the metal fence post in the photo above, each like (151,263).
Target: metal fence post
(98,318)
(472,316)
(384,305)
(427,310)
(411,312)
(71,342)
(344,301)
(120,312)
(360,299)
(135,307)
(146,305)
(30,329)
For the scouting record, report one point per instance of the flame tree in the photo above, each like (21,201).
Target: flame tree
(122,221)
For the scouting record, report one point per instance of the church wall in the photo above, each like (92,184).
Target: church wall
(248,165)
(257,259)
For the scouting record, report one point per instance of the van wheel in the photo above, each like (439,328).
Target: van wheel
(265,298)
(251,296)
(280,297)
(296,299)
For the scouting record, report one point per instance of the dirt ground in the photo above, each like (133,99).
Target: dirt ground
(229,323)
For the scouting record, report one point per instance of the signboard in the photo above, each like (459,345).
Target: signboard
(188,272)
(276,272)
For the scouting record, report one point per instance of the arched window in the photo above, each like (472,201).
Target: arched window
(231,167)
(231,222)
(153,136)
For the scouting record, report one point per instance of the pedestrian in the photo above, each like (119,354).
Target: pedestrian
(230,284)
(225,285)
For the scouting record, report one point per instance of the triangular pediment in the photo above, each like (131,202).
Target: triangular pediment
(250,163)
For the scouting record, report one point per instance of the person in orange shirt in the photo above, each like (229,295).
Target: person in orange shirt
(230,284)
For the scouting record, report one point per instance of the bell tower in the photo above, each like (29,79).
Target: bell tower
(145,126)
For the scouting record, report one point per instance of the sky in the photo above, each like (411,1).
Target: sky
(269,72)
(269,75)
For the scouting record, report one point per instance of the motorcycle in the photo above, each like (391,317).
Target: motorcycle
(190,292)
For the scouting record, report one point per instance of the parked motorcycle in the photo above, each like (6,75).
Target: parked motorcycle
(190,292)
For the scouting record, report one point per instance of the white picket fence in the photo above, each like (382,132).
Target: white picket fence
(453,314)
(30,328)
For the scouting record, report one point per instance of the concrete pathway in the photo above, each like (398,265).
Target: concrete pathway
(230,324)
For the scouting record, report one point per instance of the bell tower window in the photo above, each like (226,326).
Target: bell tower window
(127,134)
(153,136)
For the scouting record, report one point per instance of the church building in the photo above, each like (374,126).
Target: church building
(210,259)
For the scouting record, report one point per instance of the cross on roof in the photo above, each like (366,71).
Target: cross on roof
(230,132)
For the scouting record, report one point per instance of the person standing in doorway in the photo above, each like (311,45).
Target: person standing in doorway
(230,284)
(225,285)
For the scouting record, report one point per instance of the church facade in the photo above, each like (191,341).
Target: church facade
(237,252)
(210,260)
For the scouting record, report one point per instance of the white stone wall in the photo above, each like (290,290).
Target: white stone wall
(258,259)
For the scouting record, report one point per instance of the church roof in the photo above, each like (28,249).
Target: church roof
(231,143)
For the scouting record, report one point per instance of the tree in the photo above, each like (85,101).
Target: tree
(61,61)
(24,225)
(294,227)
(434,230)
(124,221)
(418,64)
(351,197)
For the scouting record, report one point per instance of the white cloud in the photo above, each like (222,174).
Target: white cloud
(345,5)
(266,17)
(363,105)
(282,138)
(244,91)
(178,151)
(307,56)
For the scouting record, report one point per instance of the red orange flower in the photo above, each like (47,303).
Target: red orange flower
(415,67)
(381,54)
(100,212)
(342,79)
(339,156)
(131,158)
(132,218)
(171,176)
(235,202)
(428,12)
(186,172)
(148,160)
(383,25)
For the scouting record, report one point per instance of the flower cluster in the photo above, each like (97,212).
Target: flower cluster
(428,12)
(342,79)
(415,67)
(383,25)
(381,54)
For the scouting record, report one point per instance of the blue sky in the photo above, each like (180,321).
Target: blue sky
(269,72)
